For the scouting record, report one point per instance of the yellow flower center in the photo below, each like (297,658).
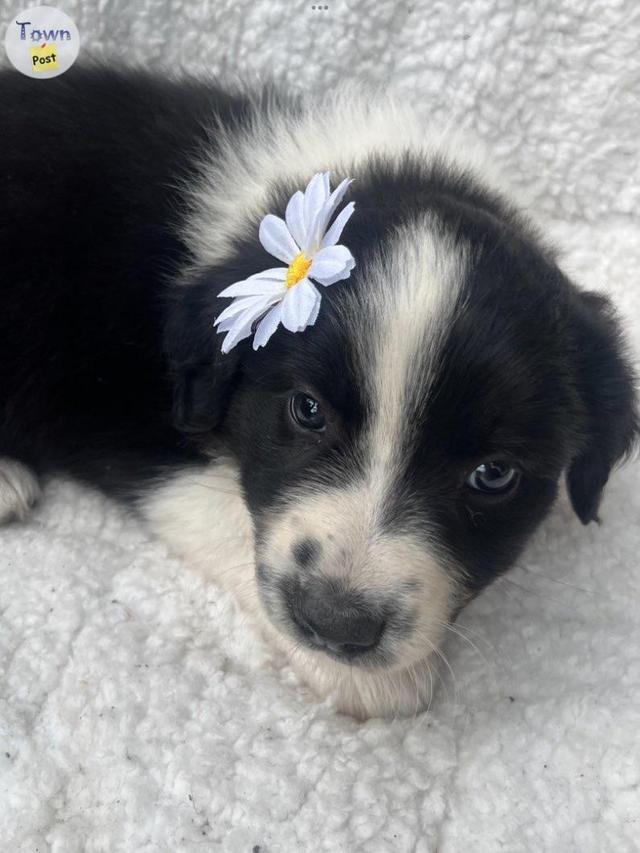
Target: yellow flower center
(297,269)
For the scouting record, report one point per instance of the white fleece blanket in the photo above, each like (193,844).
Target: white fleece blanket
(140,712)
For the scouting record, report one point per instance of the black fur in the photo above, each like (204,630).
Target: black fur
(111,371)
(606,385)
(90,169)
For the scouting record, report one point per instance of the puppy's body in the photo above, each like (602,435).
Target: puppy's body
(91,206)
(456,347)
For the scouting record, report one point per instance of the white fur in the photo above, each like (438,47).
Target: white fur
(201,515)
(339,132)
(389,566)
(19,490)
(400,322)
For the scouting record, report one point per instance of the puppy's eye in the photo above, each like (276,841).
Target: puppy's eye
(493,478)
(306,411)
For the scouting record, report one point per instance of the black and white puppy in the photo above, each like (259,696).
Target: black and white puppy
(357,483)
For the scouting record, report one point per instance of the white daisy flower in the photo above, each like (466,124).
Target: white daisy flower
(302,241)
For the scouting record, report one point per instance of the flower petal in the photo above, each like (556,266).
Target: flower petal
(333,234)
(276,239)
(314,314)
(294,216)
(338,194)
(240,330)
(315,197)
(331,264)
(225,325)
(257,285)
(299,305)
(267,326)
(272,274)
(316,232)
(239,306)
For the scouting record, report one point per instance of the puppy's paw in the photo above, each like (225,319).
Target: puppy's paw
(19,490)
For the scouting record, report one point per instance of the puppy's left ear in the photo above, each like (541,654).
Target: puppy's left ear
(606,385)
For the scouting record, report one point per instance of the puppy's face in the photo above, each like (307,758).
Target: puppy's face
(396,456)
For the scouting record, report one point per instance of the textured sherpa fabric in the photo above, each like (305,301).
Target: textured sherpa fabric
(139,711)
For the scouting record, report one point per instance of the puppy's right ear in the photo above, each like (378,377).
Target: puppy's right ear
(606,384)
(201,394)
(203,377)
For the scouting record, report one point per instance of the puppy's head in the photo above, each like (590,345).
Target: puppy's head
(397,455)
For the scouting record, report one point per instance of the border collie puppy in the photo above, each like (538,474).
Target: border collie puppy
(355,483)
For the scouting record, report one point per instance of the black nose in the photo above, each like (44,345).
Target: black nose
(336,623)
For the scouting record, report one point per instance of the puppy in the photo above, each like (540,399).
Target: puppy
(355,483)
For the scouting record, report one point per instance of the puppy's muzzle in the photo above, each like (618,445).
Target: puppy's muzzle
(337,623)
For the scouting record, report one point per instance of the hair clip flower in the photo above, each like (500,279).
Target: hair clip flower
(305,242)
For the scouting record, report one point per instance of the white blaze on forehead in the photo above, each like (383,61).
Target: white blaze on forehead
(406,304)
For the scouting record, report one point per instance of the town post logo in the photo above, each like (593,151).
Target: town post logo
(42,42)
